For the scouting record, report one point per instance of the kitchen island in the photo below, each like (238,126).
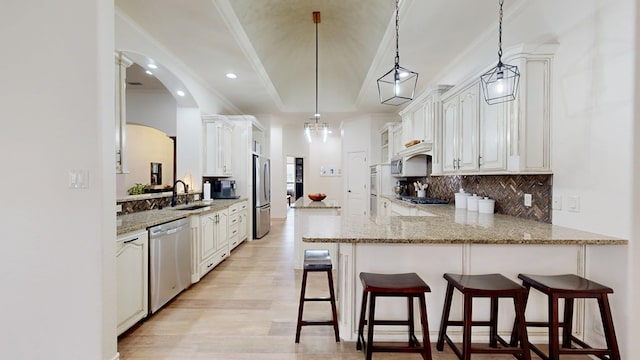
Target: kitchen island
(303,208)
(456,241)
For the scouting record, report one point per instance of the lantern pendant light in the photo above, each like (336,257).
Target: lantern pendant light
(397,86)
(316,128)
(500,84)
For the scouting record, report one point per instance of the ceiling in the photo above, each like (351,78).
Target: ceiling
(270,45)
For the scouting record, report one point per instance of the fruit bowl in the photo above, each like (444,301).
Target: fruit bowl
(317,196)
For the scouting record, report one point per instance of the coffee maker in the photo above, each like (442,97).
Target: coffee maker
(224,189)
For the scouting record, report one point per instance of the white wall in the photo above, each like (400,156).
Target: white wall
(189,144)
(57,266)
(278,175)
(154,108)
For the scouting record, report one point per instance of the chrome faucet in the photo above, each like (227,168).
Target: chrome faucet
(174,198)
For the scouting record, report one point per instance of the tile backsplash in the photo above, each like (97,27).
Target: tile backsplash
(507,190)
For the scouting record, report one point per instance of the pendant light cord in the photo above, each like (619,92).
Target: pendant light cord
(397,34)
(500,36)
(316,114)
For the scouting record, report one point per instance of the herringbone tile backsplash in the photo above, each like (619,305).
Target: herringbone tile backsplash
(507,190)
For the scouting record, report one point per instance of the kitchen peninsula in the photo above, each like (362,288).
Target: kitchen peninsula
(303,209)
(456,241)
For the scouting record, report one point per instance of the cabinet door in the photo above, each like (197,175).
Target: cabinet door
(222,230)
(208,224)
(493,152)
(468,133)
(132,279)
(428,116)
(396,131)
(243,228)
(449,120)
(225,149)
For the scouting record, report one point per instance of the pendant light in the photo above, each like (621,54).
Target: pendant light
(312,129)
(500,84)
(397,86)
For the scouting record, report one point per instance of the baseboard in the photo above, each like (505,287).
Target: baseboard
(116,356)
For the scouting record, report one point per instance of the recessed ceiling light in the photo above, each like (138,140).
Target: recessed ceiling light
(148,72)
(180,93)
(232,76)
(152,66)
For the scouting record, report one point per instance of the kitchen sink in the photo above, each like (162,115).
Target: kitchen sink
(193,207)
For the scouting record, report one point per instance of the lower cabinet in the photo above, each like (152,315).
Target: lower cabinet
(238,230)
(209,242)
(132,266)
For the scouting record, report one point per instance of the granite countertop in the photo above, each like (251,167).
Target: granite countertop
(144,219)
(446,225)
(305,203)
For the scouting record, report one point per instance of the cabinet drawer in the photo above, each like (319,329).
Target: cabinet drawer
(234,220)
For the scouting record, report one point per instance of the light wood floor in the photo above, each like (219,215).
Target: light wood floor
(246,308)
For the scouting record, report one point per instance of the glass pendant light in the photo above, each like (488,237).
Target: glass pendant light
(397,86)
(500,84)
(312,129)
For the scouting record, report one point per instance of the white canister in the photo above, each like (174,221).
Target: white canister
(206,191)
(461,200)
(422,193)
(472,202)
(486,206)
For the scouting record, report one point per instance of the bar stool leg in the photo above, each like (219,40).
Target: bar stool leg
(554,343)
(303,288)
(445,317)
(607,324)
(412,337)
(363,310)
(493,320)
(520,303)
(567,325)
(425,328)
(466,331)
(333,306)
(372,311)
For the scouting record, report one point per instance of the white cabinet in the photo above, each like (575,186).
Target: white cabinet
(493,137)
(396,139)
(474,137)
(238,230)
(460,118)
(212,243)
(132,267)
(218,135)
(386,143)
(529,115)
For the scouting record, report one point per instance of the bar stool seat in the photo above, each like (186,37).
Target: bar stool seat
(493,286)
(317,261)
(408,285)
(570,287)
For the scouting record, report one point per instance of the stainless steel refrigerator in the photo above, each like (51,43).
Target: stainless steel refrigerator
(261,196)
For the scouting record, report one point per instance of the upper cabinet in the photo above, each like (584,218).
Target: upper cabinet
(473,137)
(218,135)
(387,146)
(460,118)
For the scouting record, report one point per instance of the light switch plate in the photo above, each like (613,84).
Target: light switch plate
(573,203)
(79,179)
(196,197)
(557,203)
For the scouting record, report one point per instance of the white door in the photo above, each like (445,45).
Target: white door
(357,179)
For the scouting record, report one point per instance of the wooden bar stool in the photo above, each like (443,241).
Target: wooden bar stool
(317,261)
(570,287)
(393,285)
(493,286)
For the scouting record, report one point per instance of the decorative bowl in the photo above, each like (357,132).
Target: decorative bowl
(317,196)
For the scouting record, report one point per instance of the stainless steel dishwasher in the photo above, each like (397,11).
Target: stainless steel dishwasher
(169,262)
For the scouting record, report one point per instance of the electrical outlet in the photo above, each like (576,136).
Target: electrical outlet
(196,197)
(527,200)
(119,208)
